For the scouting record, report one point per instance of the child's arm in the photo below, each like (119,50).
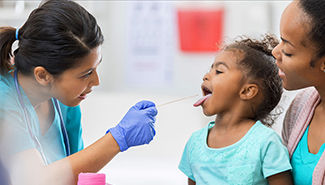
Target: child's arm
(191,182)
(283,178)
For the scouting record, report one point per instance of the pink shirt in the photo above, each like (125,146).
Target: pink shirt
(295,123)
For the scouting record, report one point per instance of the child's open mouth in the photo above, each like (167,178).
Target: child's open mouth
(206,94)
(206,91)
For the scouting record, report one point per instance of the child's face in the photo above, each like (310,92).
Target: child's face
(223,82)
(295,53)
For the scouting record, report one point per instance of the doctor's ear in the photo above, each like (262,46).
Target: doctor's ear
(248,91)
(42,76)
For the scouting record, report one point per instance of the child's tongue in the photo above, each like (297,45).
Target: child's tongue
(201,100)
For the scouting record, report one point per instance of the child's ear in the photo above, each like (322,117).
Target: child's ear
(42,76)
(322,65)
(248,91)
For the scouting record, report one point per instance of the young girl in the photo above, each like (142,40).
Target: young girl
(241,88)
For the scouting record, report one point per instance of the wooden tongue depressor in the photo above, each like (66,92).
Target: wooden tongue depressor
(177,100)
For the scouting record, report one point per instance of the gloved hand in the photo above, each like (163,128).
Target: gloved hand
(136,127)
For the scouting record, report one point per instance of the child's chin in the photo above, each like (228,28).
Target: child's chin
(207,113)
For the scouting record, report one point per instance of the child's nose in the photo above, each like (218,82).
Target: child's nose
(205,77)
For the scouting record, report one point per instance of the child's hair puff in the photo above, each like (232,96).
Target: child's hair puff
(258,65)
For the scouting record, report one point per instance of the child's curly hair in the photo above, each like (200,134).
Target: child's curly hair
(258,64)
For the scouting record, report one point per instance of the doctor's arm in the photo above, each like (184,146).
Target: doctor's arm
(28,168)
(136,128)
(94,157)
(191,182)
(66,171)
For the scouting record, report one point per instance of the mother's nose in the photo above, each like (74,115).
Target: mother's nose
(276,52)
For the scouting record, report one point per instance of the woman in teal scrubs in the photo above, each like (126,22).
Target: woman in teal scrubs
(41,86)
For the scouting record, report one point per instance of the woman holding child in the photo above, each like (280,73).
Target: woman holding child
(301,61)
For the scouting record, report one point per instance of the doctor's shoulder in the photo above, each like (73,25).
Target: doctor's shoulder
(7,92)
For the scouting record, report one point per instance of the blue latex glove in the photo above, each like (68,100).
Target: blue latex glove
(136,127)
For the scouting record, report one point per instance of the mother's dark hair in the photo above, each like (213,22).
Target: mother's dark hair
(55,36)
(315,10)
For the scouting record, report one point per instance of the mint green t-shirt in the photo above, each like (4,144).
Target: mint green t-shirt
(256,156)
(303,162)
(14,134)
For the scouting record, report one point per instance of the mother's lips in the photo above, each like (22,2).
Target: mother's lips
(281,73)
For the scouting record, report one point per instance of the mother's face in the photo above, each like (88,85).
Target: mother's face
(296,54)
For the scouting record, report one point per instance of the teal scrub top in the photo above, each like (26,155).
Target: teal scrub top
(14,135)
(256,156)
(303,162)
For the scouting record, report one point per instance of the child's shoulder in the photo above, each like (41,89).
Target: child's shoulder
(201,133)
(204,130)
(263,128)
(265,133)
(265,140)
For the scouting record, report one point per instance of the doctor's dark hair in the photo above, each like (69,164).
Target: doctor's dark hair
(55,36)
(315,11)
(258,65)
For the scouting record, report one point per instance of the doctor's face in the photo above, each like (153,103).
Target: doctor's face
(74,84)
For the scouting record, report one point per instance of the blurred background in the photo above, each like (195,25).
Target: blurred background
(158,51)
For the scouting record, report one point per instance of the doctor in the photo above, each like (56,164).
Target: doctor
(55,68)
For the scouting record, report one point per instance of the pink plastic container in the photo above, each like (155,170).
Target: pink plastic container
(91,179)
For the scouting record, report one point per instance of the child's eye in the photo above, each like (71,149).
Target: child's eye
(218,72)
(286,54)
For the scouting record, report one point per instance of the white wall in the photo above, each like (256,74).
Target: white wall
(252,18)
